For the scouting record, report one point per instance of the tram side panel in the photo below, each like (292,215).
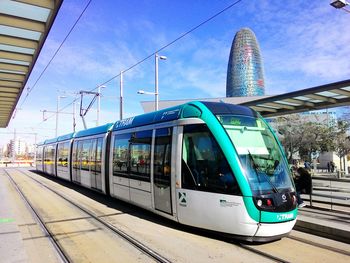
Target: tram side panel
(63,159)
(39,158)
(130,167)
(88,167)
(49,159)
(164,170)
(140,168)
(119,167)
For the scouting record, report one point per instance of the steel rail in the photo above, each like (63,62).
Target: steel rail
(60,251)
(318,245)
(261,253)
(142,247)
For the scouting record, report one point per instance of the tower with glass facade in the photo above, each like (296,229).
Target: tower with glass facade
(245,74)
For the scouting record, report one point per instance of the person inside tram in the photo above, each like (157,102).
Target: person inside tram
(303,184)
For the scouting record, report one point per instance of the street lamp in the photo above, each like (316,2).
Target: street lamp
(145,92)
(156,93)
(121,95)
(339,3)
(58,106)
(149,93)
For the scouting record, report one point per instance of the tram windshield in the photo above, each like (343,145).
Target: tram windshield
(259,153)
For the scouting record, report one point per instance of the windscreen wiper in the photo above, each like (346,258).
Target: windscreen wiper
(257,174)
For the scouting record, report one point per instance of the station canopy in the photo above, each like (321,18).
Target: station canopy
(321,97)
(24,26)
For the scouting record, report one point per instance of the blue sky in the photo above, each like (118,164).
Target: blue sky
(303,44)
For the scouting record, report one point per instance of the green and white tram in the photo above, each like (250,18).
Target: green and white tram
(210,165)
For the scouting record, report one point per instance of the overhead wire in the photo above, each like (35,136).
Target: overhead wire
(175,40)
(152,54)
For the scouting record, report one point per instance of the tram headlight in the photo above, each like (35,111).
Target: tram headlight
(259,202)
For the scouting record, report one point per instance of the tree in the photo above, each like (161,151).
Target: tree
(298,134)
(341,141)
(289,134)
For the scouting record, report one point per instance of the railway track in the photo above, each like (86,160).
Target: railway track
(319,245)
(64,257)
(276,252)
(280,251)
(130,239)
(60,250)
(263,254)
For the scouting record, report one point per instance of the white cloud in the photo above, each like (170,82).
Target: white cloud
(305,46)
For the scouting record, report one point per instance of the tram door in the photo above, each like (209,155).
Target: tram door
(162,170)
(96,158)
(76,171)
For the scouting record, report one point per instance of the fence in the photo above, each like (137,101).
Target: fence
(330,192)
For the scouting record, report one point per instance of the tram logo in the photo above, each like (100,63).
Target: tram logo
(282,217)
(182,199)
(284,197)
(124,123)
(166,114)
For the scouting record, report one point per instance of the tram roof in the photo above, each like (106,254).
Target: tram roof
(94,131)
(187,110)
(24,26)
(226,108)
(48,141)
(164,115)
(65,137)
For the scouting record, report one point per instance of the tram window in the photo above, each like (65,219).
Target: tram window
(140,155)
(75,155)
(85,154)
(162,156)
(93,155)
(120,155)
(99,154)
(46,154)
(204,167)
(49,154)
(39,154)
(62,154)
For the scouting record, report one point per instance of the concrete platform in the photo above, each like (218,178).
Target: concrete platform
(324,222)
(11,245)
(21,238)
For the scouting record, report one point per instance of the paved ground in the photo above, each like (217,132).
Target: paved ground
(22,240)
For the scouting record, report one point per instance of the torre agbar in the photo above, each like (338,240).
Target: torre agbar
(245,75)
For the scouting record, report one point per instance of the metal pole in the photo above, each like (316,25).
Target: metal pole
(58,105)
(35,135)
(156,81)
(121,96)
(74,123)
(84,123)
(98,106)
(14,146)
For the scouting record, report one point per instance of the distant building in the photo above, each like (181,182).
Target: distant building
(328,117)
(245,75)
(18,147)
